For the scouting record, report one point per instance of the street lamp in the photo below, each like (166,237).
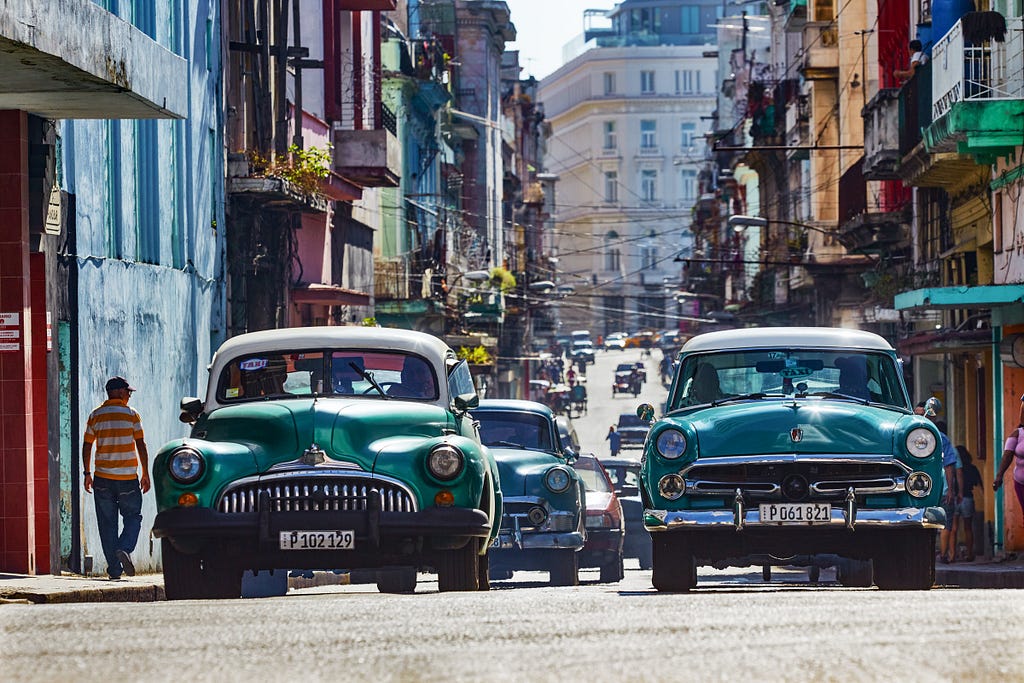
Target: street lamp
(739,223)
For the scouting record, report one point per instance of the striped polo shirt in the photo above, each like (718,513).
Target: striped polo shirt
(114,427)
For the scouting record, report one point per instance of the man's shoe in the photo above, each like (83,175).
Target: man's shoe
(114,578)
(126,562)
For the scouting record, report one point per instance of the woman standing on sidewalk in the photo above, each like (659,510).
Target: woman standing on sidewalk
(1013,451)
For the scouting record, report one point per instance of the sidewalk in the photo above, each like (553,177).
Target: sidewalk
(46,588)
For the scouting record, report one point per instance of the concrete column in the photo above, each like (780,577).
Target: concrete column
(17,469)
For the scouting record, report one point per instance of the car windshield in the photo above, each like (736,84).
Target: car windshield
(765,373)
(623,477)
(508,429)
(365,373)
(625,367)
(592,476)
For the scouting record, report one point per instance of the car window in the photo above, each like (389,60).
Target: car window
(787,372)
(592,476)
(623,477)
(510,429)
(290,374)
(266,376)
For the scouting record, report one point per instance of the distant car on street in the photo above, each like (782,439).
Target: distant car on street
(615,341)
(624,474)
(605,526)
(543,525)
(632,430)
(582,350)
(640,340)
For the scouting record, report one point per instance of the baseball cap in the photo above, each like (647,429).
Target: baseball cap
(118,383)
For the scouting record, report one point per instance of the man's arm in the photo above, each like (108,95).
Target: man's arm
(140,446)
(86,457)
(950,479)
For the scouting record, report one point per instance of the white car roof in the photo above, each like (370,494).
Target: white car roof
(783,337)
(434,350)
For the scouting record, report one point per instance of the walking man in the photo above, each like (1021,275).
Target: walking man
(116,430)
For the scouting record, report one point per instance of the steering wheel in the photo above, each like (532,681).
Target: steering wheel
(383,385)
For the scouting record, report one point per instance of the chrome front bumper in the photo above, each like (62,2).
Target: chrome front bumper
(846,516)
(519,540)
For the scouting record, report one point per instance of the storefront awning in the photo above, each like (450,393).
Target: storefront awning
(329,295)
(981,296)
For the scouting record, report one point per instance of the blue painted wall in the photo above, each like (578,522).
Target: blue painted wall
(149,200)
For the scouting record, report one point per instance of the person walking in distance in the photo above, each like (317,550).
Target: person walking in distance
(1013,454)
(116,432)
(614,440)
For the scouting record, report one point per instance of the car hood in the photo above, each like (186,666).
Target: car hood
(347,430)
(766,426)
(522,471)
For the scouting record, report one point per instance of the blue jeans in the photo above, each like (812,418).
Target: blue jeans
(113,497)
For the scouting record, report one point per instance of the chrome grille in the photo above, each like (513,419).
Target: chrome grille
(763,478)
(310,494)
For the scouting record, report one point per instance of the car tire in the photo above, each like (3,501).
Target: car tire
(192,577)
(644,556)
(908,563)
(459,570)
(854,573)
(484,573)
(613,571)
(396,580)
(674,569)
(183,574)
(564,570)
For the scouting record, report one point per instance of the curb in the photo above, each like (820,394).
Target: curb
(147,593)
(1006,577)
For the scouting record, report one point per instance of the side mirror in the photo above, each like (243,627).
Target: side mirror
(466,402)
(645,411)
(191,409)
(570,455)
(932,407)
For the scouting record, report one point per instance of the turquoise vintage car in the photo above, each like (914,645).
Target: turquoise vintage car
(544,523)
(782,442)
(328,448)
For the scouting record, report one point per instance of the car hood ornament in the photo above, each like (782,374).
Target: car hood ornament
(313,456)
(796,434)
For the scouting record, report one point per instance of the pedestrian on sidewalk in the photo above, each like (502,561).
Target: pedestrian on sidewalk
(614,440)
(116,431)
(1013,452)
(965,510)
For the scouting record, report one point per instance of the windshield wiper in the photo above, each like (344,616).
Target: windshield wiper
(368,376)
(741,397)
(836,394)
(506,444)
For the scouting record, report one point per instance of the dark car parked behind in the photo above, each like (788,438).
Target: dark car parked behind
(632,429)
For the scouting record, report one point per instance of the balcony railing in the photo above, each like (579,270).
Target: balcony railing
(988,71)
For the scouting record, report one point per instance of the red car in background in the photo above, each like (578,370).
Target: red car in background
(606,529)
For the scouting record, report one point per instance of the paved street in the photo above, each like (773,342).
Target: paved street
(733,628)
(603,408)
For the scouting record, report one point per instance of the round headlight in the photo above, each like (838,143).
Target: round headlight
(921,442)
(557,479)
(671,444)
(671,486)
(445,462)
(919,484)
(186,465)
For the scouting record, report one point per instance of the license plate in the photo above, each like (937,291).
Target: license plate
(318,540)
(796,513)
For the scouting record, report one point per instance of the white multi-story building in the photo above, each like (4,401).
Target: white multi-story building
(628,144)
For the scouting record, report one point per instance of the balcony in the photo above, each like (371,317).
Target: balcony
(977,92)
(358,5)
(862,230)
(821,52)
(882,136)
(370,158)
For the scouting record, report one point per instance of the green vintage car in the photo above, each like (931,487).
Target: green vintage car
(786,442)
(544,523)
(328,448)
